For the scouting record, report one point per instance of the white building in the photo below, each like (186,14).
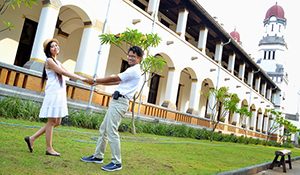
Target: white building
(199,53)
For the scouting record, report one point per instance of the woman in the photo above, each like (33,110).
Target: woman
(54,105)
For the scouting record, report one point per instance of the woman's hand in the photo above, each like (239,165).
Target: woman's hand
(89,81)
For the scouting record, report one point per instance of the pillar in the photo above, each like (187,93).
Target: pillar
(194,97)
(218,52)
(202,39)
(88,52)
(171,88)
(45,30)
(231,62)
(182,22)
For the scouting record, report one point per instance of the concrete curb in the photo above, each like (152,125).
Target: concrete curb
(252,169)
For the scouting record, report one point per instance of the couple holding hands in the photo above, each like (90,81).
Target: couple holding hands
(54,106)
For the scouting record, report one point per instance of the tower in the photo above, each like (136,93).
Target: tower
(272,51)
(236,36)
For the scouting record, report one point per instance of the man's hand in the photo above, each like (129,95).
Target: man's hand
(89,81)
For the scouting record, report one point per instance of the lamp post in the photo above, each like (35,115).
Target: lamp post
(155,13)
(298,93)
(297,115)
(98,56)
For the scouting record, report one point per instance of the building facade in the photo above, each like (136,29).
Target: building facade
(199,53)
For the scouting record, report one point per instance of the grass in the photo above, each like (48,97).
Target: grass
(141,153)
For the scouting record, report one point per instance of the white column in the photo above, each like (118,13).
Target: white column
(218,52)
(253,120)
(236,116)
(194,98)
(269,94)
(172,88)
(202,39)
(242,71)
(259,124)
(45,30)
(257,84)
(231,62)
(248,122)
(263,89)
(153,6)
(182,22)
(227,118)
(266,123)
(210,110)
(271,122)
(105,49)
(250,78)
(146,88)
(88,52)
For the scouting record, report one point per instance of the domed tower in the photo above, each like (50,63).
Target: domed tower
(236,36)
(273,49)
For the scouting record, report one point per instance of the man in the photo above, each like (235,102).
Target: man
(127,82)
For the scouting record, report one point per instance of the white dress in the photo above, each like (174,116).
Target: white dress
(55,100)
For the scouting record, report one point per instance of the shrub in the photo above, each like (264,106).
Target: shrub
(13,107)
(203,134)
(229,138)
(85,119)
(123,127)
(287,145)
(181,131)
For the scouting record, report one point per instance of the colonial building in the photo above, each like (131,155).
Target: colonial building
(200,55)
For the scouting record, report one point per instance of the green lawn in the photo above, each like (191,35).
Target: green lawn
(141,153)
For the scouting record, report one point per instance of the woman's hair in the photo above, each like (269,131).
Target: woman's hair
(49,55)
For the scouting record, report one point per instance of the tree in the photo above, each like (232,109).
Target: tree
(244,114)
(289,129)
(277,124)
(280,122)
(12,4)
(150,64)
(224,102)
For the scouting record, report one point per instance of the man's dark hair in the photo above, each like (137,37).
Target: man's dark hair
(137,50)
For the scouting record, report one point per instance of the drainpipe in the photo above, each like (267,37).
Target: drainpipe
(219,64)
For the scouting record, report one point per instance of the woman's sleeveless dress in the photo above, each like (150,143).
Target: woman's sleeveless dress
(55,100)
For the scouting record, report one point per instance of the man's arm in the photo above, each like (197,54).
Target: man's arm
(112,83)
(111,80)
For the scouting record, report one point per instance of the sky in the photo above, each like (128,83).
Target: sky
(247,17)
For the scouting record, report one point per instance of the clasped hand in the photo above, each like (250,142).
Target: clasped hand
(89,81)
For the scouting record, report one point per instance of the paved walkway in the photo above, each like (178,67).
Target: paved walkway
(279,170)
